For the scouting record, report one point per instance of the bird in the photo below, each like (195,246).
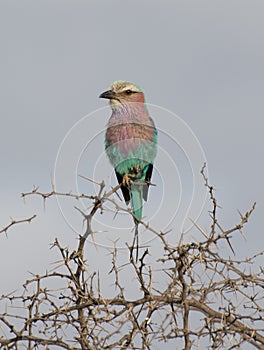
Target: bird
(131,142)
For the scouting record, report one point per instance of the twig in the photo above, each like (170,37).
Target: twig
(15,222)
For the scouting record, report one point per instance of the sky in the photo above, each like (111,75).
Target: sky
(200,65)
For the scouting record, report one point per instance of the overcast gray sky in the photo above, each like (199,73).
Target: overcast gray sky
(200,62)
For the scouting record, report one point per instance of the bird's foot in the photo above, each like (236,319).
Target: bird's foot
(136,170)
(127,179)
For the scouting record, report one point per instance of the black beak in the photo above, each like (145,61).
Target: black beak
(108,94)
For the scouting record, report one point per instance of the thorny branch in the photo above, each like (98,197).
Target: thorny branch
(206,298)
(15,222)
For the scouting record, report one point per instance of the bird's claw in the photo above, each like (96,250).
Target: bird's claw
(136,170)
(127,179)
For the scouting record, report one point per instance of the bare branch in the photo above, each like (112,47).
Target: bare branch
(192,295)
(15,222)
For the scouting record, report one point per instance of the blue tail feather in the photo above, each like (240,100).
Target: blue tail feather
(136,197)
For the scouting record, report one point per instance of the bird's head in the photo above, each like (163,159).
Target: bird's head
(123,92)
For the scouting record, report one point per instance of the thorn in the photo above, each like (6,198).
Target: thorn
(200,229)
(91,180)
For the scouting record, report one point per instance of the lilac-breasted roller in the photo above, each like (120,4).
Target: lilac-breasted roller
(130,142)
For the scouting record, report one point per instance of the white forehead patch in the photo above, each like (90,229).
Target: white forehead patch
(131,87)
(121,86)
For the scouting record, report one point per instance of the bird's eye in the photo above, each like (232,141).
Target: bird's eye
(129,92)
